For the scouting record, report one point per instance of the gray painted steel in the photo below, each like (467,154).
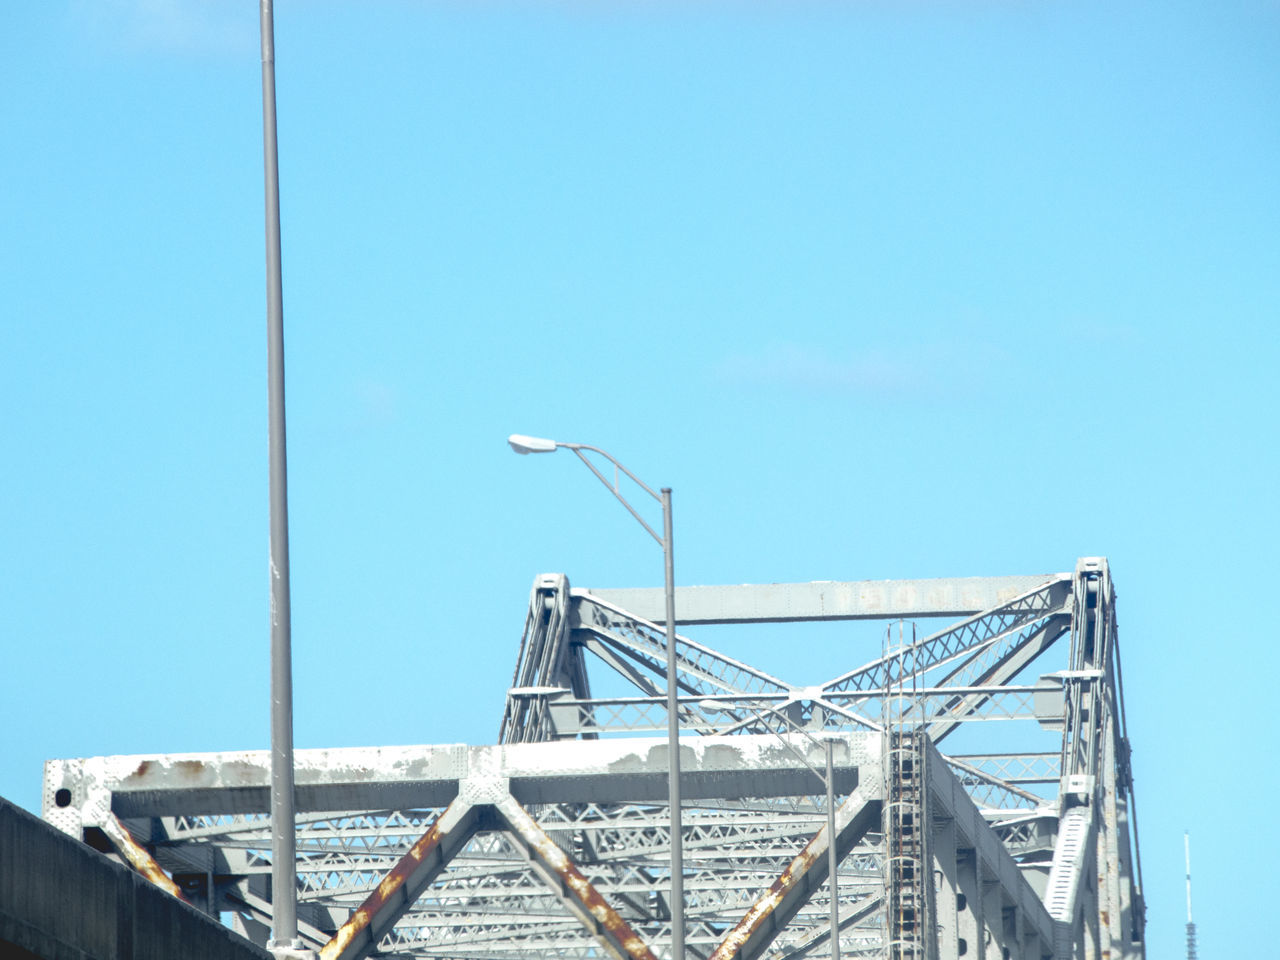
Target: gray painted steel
(674,779)
(283,847)
(954,804)
(826,599)
(1025,821)
(373,778)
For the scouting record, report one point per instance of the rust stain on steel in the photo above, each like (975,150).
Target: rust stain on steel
(762,909)
(346,933)
(586,894)
(186,771)
(138,856)
(391,884)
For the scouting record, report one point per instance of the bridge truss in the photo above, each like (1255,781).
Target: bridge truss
(984,802)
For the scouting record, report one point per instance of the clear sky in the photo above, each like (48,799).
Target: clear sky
(881,289)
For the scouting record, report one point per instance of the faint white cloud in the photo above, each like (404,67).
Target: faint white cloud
(187,27)
(375,404)
(904,371)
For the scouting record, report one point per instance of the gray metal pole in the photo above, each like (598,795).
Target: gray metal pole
(283,840)
(673,739)
(833,862)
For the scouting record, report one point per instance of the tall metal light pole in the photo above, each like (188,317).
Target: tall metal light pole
(284,910)
(1191,924)
(522,444)
(833,861)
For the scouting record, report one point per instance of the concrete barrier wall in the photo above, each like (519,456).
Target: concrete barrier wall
(62,900)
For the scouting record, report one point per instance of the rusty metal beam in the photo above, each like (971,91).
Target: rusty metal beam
(605,923)
(484,804)
(506,893)
(397,891)
(137,856)
(802,878)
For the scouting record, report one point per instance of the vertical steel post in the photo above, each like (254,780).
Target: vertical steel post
(283,838)
(833,861)
(673,738)
(1191,924)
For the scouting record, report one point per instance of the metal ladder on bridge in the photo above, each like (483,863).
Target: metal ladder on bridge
(906,872)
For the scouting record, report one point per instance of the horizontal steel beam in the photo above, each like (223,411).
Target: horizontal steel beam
(399,778)
(825,599)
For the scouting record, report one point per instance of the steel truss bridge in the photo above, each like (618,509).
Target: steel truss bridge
(980,769)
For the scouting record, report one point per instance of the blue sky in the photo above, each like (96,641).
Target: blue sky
(882,290)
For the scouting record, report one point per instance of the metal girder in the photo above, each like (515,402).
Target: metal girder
(949,801)
(545,659)
(803,876)
(398,778)
(943,719)
(582,898)
(975,634)
(825,599)
(821,936)
(425,860)
(136,855)
(701,669)
(1037,811)
(614,772)
(1014,767)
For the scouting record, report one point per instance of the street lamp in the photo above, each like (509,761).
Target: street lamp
(522,445)
(284,943)
(829,781)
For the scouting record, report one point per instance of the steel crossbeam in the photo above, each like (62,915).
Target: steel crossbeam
(701,669)
(555,842)
(1023,768)
(973,634)
(826,599)
(366,778)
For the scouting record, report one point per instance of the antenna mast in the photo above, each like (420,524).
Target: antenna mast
(1191,924)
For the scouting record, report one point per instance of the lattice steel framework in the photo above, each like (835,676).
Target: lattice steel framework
(996,742)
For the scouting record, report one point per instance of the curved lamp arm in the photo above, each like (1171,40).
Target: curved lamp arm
(522,445)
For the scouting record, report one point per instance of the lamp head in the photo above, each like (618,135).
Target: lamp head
(522,444)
